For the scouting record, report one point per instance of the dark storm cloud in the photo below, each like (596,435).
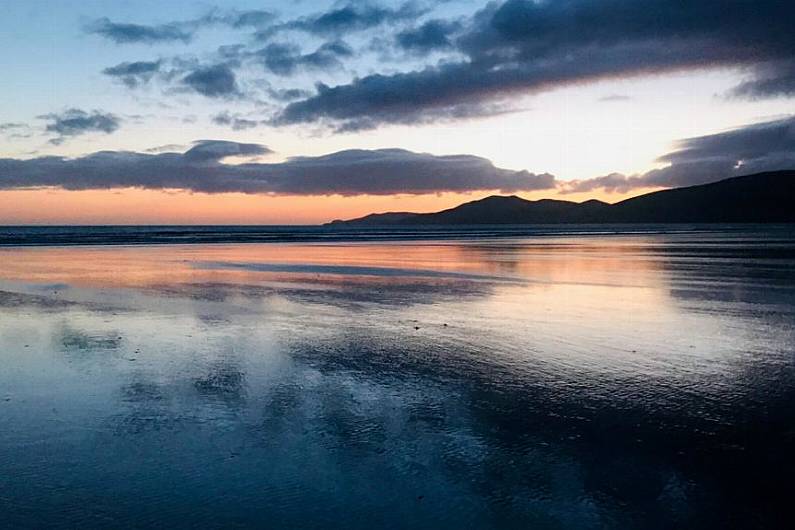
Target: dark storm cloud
(760,147)
(216,81)
(201,169)
(285,59)
(74,122)
(133,74)
(523,46)
(125,33)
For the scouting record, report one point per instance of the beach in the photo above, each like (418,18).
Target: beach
(590,380)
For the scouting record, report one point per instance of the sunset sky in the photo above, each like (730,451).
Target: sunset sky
(302,112)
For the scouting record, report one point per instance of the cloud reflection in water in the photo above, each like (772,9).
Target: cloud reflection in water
(617,385)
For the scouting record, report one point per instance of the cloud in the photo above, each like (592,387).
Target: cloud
(8,126)
(133,74)
(215,150)
(125,33)
(432,35)
(15,130)
(180,31)
(285,59)
(280,58)
(254,18)
(773,80)
(201,169)
(288,94)
(612,182)
(216,81)
(614,98)
(236,122)
(406,98)
(74,122)
(165,148)
(751,149)
(526,46)
(348,18)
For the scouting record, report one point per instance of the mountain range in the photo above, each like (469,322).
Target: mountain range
(761,198)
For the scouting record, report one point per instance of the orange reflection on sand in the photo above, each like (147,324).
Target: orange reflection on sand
(537,289)
(584,260)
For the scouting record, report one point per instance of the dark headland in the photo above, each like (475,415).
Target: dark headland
(761,198)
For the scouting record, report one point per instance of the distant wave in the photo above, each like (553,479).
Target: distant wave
(181,235)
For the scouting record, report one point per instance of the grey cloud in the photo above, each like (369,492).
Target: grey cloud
(280,58)
(232,52)
(288,94)
(751,149)
(432,35)
(15,130)
(285,59)
(440,114)
(613,98)
(215,150)
(74,122)
(7,126)
(165,148)
(254,18)
(525,28)
(413,97)
(351,17)
(773,80)
(612,182)
(201,169)
(125,33)
(181,31)
(133,74)
(216,81)
(236,122)
(524,46)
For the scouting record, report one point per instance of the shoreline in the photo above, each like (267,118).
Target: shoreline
(106,235)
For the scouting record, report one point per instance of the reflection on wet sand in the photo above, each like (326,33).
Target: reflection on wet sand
(638,381)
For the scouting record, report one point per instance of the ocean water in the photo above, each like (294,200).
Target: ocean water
(569,377)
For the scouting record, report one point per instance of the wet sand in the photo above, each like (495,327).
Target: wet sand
(588,381)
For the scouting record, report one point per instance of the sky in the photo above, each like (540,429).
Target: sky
(248,112)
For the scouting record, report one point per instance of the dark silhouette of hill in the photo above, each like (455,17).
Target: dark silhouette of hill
(760,198)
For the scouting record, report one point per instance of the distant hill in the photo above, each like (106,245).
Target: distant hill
(761,198)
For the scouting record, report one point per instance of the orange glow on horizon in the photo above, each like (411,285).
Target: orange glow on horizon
(137,206)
